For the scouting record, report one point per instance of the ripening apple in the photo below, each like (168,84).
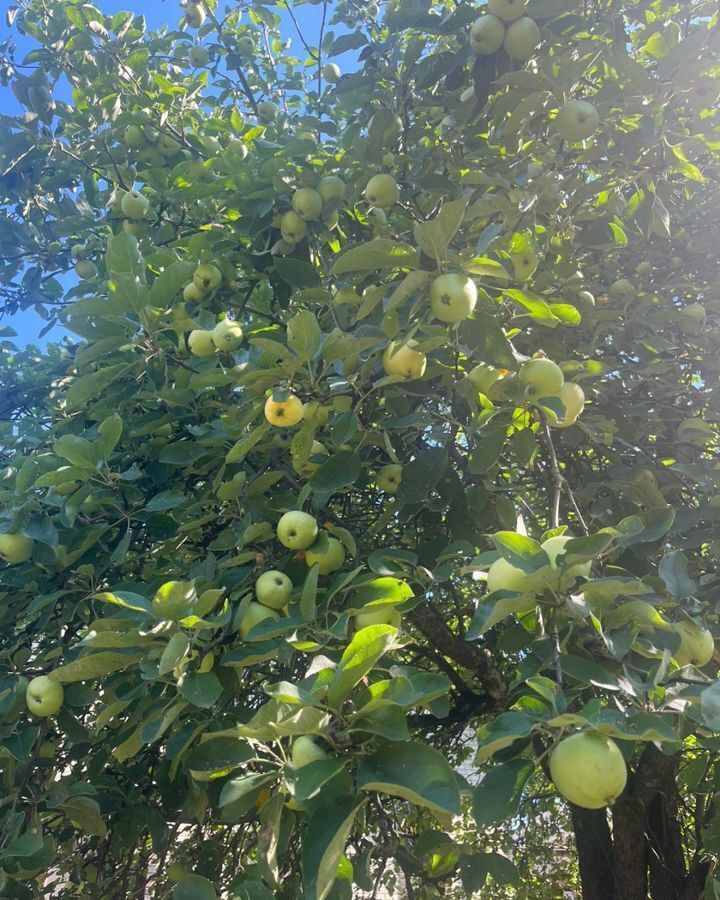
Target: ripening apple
(44,696)
(201,343)
(503,576)
(382,191)
(192,293)
(508,10)
(329,559)
(577,120)
(134,205)
(380,615)
(198,57)
(555,547)
(541,377)
(86,269)
(524,264)
(273,589)
(267,112)
(195,15)
(15,548)
(331,73)
(254,614)
(227,335)
(486,35)
(284,413)
(389,477)
(307,203)
(403,359)
(522,38)
(331,188)
(573,399)
(315,413)
(304,751)
(292,227)
(697,646)
(588,769)
(207,278)
(172,600)
(452,297)
(297,530)
(483,377)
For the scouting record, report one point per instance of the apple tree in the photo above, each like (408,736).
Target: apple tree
(360,535)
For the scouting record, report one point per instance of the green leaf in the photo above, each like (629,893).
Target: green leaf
(201,690)
(77,451)
(378,254)
(218,754)
(710,706)
(538,309)
(501,732)
(644,528)
(324,844)
(123,255)
(303,333)
(194,887)
(90,387)
(237,788)
(170,282)
(434,237)
(490,611)
(673,569)
(310,778)
(384,591)
(498,795)
(420,476)
(174,653)
(296,272)
(341,469)
(95,665)
(84,813)
(386,720)
(309,593)
(413,771)
(110,430)
(484,336)
(361,654)
(520,551)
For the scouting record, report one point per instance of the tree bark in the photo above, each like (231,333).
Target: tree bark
(630,850)
(594,846)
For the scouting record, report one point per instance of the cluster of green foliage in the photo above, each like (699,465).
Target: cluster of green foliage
(476,277)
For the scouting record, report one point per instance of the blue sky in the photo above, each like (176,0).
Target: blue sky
(157,12)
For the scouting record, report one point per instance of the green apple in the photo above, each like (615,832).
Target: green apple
(86,269)
(227,335)
(273,589)
(135,205)
(304,751)
(15,548)
(246,47)
(207,278)
(331,188)
(307,203)
(588,769)
(172,600)
(195,15)
(292,227)
(152,157)
(555,547)
(238,148)
(254,614)
(522,38)
(389,477)
(508,10)
(643,268)
(201,343)
(524,264)
(198,57)
(502,576)
(452,297)
(483,377)
(486,35)
(315,413)
(330,557)
(167,144)
(577,120)
(136,229)
(403,359)
(697,646)
(541,377)
(331,73)
(176,872)
(297,530)
(382,191)
(44,696)
(391,132)
(573,399)
(623,289)
(134,137)
(267,112)
(192,293)
(380,615)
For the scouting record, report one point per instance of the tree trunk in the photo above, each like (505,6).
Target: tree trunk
(630,850)
(594,847)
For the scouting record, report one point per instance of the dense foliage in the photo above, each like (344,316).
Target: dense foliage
(458,305)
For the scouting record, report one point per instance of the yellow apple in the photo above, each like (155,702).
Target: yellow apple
(452,297)
(382,191)
(541,377)
(44,696)
(486,35)
(254,614)
(134,205)
(573,398)
(284,413)
(227,335)
(577,120)
(403,359)
(508,10)
(697,646)
(330,557)
(389,477)
(331,188)
(273,589)
(297,530)
(207,278)
(307,203)
(522,38)
(381,615)
(292,227)
(588,769)
(524,264)
(331,73)
(483,377)
(173,599)
(201,343)
(15,548)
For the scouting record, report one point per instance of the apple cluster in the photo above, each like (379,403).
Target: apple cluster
(312,204)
